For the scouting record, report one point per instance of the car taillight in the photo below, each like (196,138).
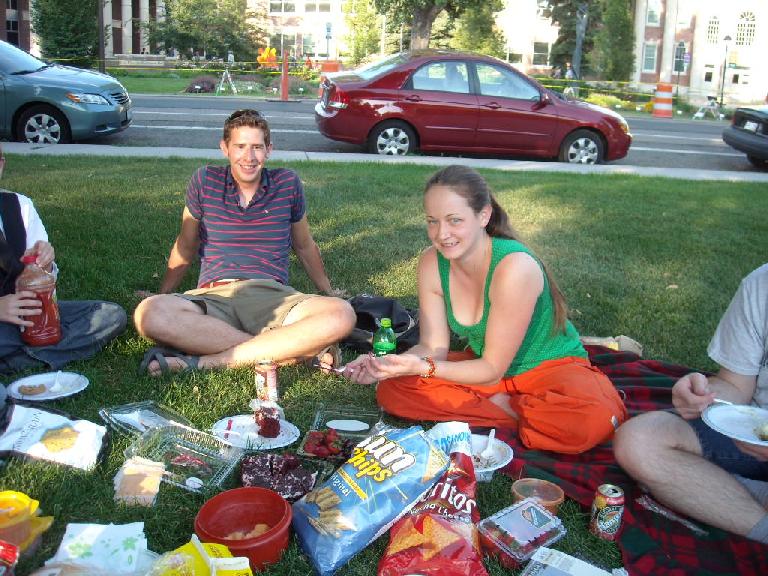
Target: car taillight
(337,99)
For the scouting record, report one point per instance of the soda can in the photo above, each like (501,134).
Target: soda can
(266,380)
(607,509)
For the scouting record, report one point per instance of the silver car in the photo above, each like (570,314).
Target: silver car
(51,104)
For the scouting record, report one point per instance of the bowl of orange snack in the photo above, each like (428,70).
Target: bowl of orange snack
(250,521)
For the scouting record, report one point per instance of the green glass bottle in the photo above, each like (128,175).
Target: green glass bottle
(384,339)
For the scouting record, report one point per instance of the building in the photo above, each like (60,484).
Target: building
(706,48)
(529,35)
(15,23)
(127,36)
(302,28)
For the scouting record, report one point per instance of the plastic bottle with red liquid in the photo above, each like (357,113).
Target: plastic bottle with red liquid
(46,328)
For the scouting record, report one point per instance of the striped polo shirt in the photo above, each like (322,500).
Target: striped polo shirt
(245,243)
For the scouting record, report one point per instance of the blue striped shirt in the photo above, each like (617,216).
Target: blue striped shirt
(245,243)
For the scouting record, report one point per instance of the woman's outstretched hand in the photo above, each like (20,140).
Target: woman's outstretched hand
(357,371)
(367,368)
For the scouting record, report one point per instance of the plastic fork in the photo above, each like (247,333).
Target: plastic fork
(323,366)
(486,456)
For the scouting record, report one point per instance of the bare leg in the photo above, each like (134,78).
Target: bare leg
(309,327)
(180,323)
(502,401)
(661,451)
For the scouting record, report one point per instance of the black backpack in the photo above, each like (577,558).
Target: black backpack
(370,310)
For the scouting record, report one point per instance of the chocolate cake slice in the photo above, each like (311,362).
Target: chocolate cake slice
(283,474)
(256,470)
(295,483)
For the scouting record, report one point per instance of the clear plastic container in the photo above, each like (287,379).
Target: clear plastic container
(193,460)
(136,418)
(351,424)
(515,533)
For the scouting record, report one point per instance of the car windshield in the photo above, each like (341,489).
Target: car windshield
(15,61)
(370,71)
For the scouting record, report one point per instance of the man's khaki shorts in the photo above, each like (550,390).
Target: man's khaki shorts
(252,306)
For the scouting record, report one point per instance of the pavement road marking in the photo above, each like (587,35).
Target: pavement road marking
(218,129)
(219,114)
(674,151)
(670,137)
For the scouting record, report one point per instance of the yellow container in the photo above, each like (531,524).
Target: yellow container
(16,512)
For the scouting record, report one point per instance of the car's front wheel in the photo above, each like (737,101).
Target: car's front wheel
(392,138)
(43,125)
(758,162)
(582,147)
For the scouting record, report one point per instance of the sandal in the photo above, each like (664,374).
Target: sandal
(160,354)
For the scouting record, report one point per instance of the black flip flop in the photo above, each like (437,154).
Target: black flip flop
(160,354)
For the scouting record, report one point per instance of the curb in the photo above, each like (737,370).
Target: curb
(295,156)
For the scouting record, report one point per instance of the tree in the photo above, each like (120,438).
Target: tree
(422,13)
(208,27)
(613,56)
(568,15)
(476,30)
(68,29)
(364,25)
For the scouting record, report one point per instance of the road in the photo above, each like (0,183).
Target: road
(196,122)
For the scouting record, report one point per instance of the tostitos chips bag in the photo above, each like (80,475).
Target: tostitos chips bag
(438,536)
(387,473)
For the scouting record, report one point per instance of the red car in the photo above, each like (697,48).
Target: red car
(441,100)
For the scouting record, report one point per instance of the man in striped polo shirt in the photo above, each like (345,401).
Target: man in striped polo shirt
(242,220)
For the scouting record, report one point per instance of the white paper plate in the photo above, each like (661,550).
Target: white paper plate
(244,433)
(68,383)
(737,422)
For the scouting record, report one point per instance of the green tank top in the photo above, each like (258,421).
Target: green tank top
(540,342)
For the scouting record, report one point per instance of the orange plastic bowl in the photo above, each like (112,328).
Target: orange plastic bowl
(239,510)
(545,493)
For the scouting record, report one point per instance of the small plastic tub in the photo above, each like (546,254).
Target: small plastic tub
(515,533)
(545,493)
(240,510)
(16,512)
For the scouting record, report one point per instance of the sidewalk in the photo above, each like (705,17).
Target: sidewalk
(282,156)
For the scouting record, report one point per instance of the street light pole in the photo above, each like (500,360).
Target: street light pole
(725,65)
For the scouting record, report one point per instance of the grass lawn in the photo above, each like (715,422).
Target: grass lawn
(164,85)
(655,259)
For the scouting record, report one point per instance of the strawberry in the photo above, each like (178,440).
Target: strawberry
(335,447)
(322,451)
(315,435)
(331,435)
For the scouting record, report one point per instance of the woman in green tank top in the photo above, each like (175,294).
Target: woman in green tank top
(525,367)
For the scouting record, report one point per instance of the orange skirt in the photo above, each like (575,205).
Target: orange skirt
(564,405)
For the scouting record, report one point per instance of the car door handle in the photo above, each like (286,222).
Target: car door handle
(413,98)
(492,105)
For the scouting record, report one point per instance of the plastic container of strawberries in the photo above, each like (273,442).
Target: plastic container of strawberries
(349,425)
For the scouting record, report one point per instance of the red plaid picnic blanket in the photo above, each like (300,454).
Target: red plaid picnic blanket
(651,544)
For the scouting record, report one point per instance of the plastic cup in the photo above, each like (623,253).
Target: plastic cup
(545,493)
(240,510)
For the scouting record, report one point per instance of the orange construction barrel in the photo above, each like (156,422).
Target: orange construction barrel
(662,101)
(330,66)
